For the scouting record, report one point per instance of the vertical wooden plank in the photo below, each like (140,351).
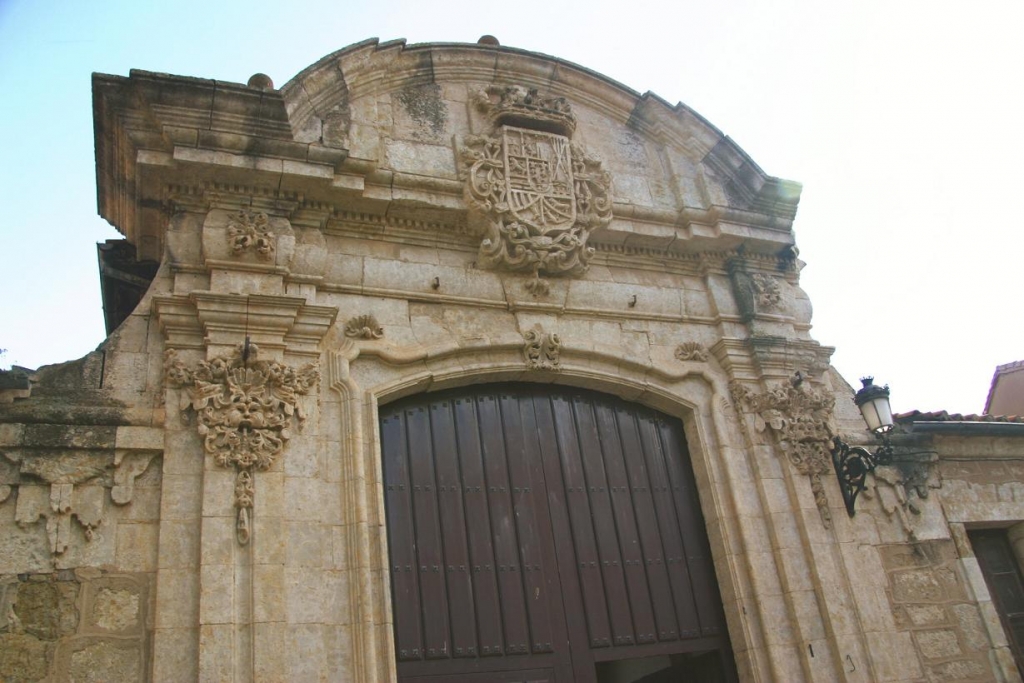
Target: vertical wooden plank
(604,522)
(503,526)
(671,534)
(573,606)
(577,500)
(647,522)
(401,538)
(457,566)
(433,591)
(478,529)
(525,490)
(694,534)
(625,519)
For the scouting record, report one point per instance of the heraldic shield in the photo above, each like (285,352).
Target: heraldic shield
(538,179)
(540,196)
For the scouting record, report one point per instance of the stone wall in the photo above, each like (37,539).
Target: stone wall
(931,601)
(75,625)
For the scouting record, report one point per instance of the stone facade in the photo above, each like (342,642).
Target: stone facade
(200,498)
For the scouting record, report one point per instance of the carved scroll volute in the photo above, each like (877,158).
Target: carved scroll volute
(245,409)
(535,195)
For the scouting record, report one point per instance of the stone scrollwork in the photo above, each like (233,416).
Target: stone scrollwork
(245,409)
(539,195)
(363,327)
(250,231)
(692,351)
(70,486)
(799,417)
(541,349)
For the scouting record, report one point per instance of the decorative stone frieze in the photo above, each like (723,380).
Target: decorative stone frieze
(245,409)
(250,231)
(364,327)
(542,349)
(692,351)
(537,195)
(69,485)
(800,419)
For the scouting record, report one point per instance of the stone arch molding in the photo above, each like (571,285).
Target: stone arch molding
(364,374)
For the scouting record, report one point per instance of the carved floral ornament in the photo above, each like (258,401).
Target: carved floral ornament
(800,419)
(766,290)
(538,194)
(250,231)
(245,409)
(541,349)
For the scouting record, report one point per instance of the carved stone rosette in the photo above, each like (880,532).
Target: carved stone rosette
(539,195)
(541,349)
(250,231)
(799,417)
(245,408)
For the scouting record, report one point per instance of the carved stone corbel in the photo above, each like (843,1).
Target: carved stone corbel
(245,409)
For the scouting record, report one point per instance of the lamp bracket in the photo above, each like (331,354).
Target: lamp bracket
(854,463)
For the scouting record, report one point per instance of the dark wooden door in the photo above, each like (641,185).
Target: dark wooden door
(1005,582)
(540,534)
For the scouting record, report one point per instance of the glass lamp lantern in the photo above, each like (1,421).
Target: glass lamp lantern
(873,402)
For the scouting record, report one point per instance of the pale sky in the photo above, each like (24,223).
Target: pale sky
(903,120)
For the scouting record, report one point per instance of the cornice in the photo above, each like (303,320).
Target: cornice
(152,129)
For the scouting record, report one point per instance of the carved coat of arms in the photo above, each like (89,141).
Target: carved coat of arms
(540,196)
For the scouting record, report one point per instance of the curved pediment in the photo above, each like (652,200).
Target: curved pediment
(425,94)
(390,130)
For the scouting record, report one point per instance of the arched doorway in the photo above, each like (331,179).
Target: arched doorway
(546,534)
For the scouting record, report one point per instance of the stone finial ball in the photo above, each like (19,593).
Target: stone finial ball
(488,40)
(260,81)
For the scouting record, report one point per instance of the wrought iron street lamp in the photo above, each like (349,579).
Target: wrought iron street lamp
(853,463)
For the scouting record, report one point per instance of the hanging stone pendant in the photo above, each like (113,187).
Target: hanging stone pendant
(244,493)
